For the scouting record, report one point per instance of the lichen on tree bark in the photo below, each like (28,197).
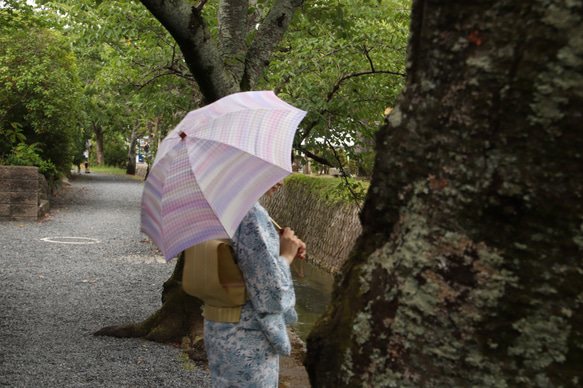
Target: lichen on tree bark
(468,271)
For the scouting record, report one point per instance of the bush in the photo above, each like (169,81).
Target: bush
(28,155)
(116,155)
(40,94)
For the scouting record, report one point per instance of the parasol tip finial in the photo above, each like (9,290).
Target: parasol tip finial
(182,135)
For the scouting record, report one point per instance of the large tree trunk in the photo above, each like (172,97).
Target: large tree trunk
(468,272)
(228,65)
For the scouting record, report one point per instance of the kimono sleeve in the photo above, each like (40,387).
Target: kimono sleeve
(267,275)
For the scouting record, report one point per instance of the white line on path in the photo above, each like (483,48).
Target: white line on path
(71,240)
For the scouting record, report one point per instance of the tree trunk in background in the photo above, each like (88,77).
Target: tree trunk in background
(98,131)
(131,167)
(468,272)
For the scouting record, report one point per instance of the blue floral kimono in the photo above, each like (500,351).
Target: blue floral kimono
(246,353)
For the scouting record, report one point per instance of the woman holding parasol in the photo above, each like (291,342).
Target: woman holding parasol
(246,353)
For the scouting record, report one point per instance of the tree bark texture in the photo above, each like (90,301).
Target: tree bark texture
(99,135)
(469,272)
(131,167)
(227,64)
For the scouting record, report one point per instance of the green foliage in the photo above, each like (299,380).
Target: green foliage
(344,63)
(12,135)
(39,90)
(133,72)
(16,14)
(351,190)
(117,154)
(29,155)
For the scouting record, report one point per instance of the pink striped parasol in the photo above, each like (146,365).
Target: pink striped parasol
(212,168)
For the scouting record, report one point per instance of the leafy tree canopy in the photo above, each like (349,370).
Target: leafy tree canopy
(343,62)
(39,94)
(134,74)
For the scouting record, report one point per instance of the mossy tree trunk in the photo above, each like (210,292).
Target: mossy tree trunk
(469,272)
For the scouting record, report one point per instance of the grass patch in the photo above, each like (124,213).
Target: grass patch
(109,170)
(331,189)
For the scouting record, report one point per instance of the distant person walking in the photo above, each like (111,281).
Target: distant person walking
(86,154)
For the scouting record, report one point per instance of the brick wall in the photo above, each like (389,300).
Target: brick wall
(19,193)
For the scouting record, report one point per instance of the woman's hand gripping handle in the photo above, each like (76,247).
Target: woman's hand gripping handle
(290,246)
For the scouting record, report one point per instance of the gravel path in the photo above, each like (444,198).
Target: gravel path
(55,294)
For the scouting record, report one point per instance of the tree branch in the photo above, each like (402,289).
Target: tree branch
(314,156)
(366,51)
(356,74)
(266,40)
(189,29)
(232,36)
(344,175)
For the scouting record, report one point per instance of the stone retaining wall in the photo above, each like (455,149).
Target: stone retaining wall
(23,194)
(141,170)
(329,230)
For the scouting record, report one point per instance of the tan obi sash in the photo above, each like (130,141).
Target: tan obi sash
(212,275)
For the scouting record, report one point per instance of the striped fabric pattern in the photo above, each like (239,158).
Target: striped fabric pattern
(212,168)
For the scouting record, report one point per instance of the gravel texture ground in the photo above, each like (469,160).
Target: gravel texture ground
(80,269)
